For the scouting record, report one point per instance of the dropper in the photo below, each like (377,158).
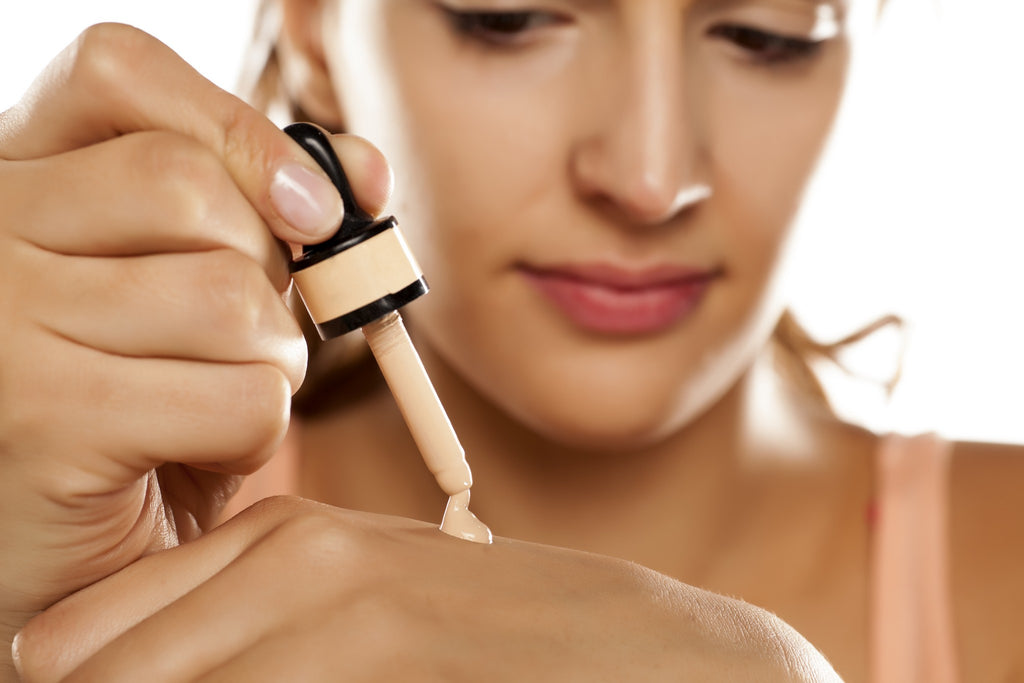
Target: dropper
(359,279)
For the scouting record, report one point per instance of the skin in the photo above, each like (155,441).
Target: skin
(580,463)
(124,434)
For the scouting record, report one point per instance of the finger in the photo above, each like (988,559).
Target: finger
(156,192)
(212,624)
(366,169)
(135,414)
(95,90)
(215,598)
(143,193)
(59,640)
(356,641)
(215,306)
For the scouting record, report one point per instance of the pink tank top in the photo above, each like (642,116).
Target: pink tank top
(911,620)
(912,638)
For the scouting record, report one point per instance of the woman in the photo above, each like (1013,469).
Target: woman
(601,195)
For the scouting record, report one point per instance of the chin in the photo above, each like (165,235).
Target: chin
(611,417)
(584,392)
(601,437)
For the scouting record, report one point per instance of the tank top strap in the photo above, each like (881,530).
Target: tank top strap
(912,639)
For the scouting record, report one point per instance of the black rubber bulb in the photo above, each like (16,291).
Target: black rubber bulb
(357,296)
(318,146)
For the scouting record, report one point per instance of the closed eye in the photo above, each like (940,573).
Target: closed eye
(500,28)
(766,47)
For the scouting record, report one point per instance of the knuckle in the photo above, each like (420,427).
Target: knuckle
(263,394)
(253,423)
(321,537)
(105,55)
(190,173)
(278,508)
(242,136)
(237,291)
(173,156)
(242,309)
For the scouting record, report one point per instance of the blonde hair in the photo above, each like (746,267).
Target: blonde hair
(261,83)
(341,363)
(799,352)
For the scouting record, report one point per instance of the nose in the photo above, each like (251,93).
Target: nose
(638,153)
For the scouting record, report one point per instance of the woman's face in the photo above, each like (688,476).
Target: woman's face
(600,192)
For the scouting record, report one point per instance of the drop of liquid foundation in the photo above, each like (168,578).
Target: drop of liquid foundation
(458,521)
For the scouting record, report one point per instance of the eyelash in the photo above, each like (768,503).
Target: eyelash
(768,48)
(506,29)
(500,29)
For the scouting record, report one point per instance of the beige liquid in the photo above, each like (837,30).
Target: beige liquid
(458,521)
(428,423)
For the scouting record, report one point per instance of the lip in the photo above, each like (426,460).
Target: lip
(614,300)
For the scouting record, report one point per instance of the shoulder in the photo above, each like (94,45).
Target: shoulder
(987,503)
(987,549)
(987,479)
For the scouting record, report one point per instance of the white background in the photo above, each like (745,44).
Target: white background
(918,208)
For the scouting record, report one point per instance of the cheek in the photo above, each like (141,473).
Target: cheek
(474,173)
(763,156)
(761,159)
(473,198)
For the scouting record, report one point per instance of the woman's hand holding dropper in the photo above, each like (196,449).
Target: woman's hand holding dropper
(148,355)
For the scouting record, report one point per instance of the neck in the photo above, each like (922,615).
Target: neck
(728,489)
(661,505)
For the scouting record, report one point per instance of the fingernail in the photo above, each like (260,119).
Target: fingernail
(308,201)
